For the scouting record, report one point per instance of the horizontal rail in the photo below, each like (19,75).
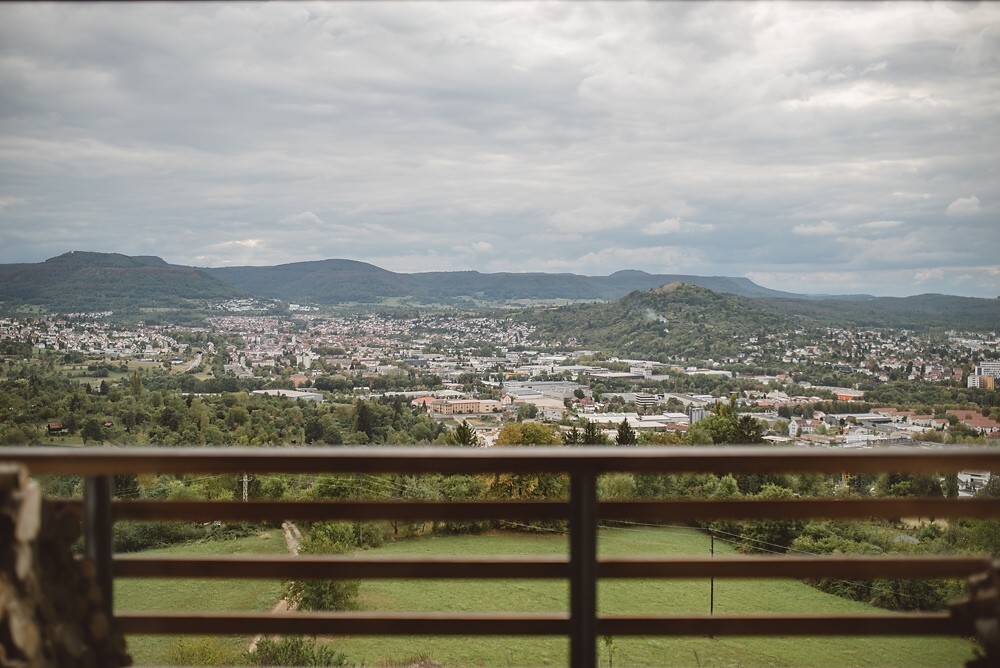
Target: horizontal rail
(588,460)
(347,567)
(798,509)
(683,510)
(340,510)
(795,567)
(345,623)
(499,624)
(580,567)
(341,567)
(899,624)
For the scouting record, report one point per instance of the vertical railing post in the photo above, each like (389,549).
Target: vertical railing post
(98,535)
(583,570)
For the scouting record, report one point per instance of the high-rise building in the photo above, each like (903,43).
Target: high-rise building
(988,369)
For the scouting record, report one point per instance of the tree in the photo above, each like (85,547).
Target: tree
(325,538)
(514,486)
(92,431)
(748,429)
(626,435)
(135,384)
(527,411)
(592,435)
(465,435)
(907,484)
(769,535)
(572,437)
(363,421)
(528,433)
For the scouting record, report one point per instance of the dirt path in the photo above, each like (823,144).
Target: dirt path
(292,539)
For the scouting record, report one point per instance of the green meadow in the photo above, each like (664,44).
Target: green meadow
(614,597)
(203,595)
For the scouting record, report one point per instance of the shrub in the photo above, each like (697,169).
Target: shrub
(325,538)
(293,651)
(137,536)
(201,652)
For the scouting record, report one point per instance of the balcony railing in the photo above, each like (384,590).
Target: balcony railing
(583,512)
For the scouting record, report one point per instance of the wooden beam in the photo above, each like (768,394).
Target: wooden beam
(789,509)
(340,567)
(277,511)
(355,623)
(796,567)
(897,624)
(344,623)
(591,460)
(672,511)
(487,568)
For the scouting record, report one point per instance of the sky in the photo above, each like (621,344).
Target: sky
(811,147)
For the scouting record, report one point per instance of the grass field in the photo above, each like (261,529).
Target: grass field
(614,597)
(198,595)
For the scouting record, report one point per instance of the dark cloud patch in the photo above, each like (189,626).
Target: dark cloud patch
(810,146)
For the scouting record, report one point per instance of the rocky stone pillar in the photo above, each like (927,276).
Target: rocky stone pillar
(50,605)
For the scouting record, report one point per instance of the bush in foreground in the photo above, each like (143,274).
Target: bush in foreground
(294,651)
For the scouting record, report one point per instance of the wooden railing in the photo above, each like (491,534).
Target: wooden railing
(583,512)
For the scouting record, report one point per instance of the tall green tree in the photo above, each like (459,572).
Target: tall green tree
(626,435)
(363,421)
(465,435)
(572,437)
(592,435)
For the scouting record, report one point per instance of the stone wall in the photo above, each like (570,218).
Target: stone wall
(50,604)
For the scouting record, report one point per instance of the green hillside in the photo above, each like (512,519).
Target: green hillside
(675,319)
(83,281)
(916,312)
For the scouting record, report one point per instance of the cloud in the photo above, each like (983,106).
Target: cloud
(674,226)
(593,218)
(304,219)
(567,136)
(879,225)
(811,282)
(825,228)
(963,206)
(925,275)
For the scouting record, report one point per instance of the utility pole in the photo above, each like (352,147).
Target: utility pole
(711,596)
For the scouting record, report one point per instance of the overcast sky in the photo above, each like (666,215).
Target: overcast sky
(833,148)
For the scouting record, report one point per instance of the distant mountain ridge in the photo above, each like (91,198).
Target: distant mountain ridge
(85,281)
(336,281)
(88,281)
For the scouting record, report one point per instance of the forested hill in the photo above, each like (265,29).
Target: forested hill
(337,281)
(689,320)
(83,281)
(674,319)
(917,312)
